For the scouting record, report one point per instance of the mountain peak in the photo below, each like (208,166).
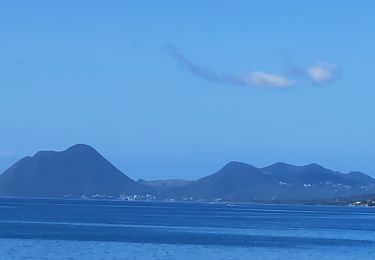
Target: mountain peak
(314,166)
(234,167)
(77,149)
(81,148)
(280,164)
(236,164)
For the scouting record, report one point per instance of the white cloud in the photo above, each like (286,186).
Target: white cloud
(322,72)
(259,78)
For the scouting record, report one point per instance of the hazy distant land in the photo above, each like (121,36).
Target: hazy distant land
(81,172)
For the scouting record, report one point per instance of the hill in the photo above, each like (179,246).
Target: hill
(76,171)
(279,182)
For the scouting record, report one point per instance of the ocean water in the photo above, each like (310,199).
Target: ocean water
(87,229)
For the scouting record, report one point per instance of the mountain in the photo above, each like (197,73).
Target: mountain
(279,182)
(81,170)
(76,171)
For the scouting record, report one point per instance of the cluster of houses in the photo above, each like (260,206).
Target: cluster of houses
(363,203)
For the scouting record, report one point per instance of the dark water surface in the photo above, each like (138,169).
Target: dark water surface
(83,229)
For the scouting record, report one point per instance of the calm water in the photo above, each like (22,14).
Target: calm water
(73,229)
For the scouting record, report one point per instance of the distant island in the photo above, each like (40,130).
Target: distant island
(81,172)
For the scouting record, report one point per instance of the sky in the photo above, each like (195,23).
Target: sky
(176,89)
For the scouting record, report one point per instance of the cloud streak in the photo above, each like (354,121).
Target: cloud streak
(194,68)
(252,78)
(317,73)
(260,78)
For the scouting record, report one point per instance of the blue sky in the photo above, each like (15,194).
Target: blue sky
(172,89)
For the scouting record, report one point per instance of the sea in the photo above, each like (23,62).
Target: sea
(103,229)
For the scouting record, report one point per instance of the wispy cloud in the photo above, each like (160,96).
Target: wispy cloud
(194,68)
(318,73)
(252,78)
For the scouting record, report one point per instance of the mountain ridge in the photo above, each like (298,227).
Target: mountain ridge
(280,181)
(82,170)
